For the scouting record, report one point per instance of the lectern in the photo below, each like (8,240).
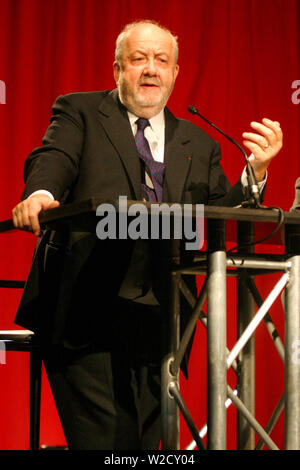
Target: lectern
(244,226)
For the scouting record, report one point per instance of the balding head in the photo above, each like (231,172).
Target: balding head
(146,67)
(129,27)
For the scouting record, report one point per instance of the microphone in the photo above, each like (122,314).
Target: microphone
(252,183)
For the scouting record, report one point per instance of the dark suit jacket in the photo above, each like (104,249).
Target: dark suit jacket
(89,150)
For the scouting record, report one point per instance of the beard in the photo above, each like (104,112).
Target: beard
(138,102)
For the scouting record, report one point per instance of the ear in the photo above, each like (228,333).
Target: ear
(116,71)
(176,71)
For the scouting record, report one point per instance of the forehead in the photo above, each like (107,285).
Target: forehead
(148,37)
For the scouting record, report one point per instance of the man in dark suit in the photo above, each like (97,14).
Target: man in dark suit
(97,305)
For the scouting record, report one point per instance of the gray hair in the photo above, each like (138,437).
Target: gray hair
(128,27)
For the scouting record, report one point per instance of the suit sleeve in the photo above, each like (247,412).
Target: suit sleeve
(54,166)
(221,193)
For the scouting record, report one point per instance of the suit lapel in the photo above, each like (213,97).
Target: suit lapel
(178,155)
(115,122)
(178,158)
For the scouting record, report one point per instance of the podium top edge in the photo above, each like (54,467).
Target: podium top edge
(265,214)
(90,205)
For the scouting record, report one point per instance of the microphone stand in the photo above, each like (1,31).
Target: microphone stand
(252,191)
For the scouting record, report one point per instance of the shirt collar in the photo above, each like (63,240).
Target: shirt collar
(156,122)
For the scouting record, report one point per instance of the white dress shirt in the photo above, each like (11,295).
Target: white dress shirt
(155,134)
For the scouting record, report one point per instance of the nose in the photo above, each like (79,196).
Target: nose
(150,68)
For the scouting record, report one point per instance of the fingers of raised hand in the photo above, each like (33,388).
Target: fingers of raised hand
(268,136)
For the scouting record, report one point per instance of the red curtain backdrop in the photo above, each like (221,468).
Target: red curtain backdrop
(238,60)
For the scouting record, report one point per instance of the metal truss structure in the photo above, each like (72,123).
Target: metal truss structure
(216,265)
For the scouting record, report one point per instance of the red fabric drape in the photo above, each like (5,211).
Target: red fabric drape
(238,60)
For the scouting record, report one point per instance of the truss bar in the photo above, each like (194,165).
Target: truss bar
(258,264)
(251,420)
(203,430)
(192,270)
(257,319)
(268,320)
(171,334)
(170,414)
(174,391)
(200,255)
(191,299)
(203,318)
(185,290)
(263,265)
(189,329)
(202,271)
(216,351)
(246,364)
(292,357)
(245,314)
(273,420)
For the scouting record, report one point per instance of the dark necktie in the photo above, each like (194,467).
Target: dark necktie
(156,170)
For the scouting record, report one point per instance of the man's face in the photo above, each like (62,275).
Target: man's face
(147,73)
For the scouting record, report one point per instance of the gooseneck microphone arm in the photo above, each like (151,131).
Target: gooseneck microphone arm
(252,183)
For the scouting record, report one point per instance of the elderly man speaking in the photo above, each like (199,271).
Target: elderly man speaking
(97,306)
